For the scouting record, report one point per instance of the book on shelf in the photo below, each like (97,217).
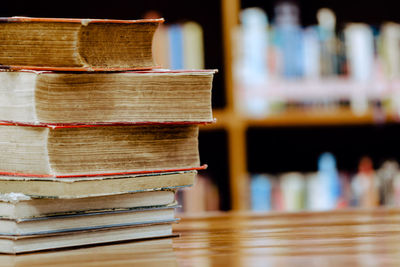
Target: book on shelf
(328,188)
(193,47)
(175,37)
(261,192)
(360,51)
(179,46)
(139,96)
(390,38)
(76,44)
(89,150)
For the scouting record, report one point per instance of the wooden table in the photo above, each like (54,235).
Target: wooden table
(337,238)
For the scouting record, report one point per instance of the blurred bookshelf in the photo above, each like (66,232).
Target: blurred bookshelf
(305,98)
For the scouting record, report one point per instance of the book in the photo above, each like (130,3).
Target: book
(360,51)
(389,39)
(51,151)
(76,44)
(293,191)
(129,253)
(365,184)
(79,98)
(175,37)
(20,244)
(261,191)
(288,37)
(94,186)
(193,48)
(251,55)
(83,221)
(179,46)
(21,206)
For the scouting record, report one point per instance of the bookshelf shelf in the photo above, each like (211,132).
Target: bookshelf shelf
(323,117)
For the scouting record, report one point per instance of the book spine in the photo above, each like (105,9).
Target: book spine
(176,46)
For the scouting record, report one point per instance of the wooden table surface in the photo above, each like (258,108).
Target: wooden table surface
(336,238)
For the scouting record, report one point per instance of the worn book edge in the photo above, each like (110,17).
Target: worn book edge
(92,229)
(97,124)
(84,22)
(104,175)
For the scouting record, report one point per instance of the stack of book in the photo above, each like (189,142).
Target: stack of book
(95,141)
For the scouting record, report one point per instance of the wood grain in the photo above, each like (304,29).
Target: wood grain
(335,238)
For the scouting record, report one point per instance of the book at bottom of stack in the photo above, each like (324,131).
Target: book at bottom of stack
(49,213)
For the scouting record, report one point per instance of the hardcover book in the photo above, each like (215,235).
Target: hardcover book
(95,186)
(140,96)
(76,44)
(97,150)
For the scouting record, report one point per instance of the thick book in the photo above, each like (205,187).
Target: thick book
(20,206)
(98,98)
(69,188)
(84,221)
(76,44)
(21,244)
(47,151)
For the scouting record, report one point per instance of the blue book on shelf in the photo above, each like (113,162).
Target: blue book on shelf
(260,193)
(175,34)
(329,179)
(289,39)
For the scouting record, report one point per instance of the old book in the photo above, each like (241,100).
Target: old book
(20,244)
(83,221)
(102,150)
(21,206)
(126,253)
(93,186)
(76,44)
(88,98)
